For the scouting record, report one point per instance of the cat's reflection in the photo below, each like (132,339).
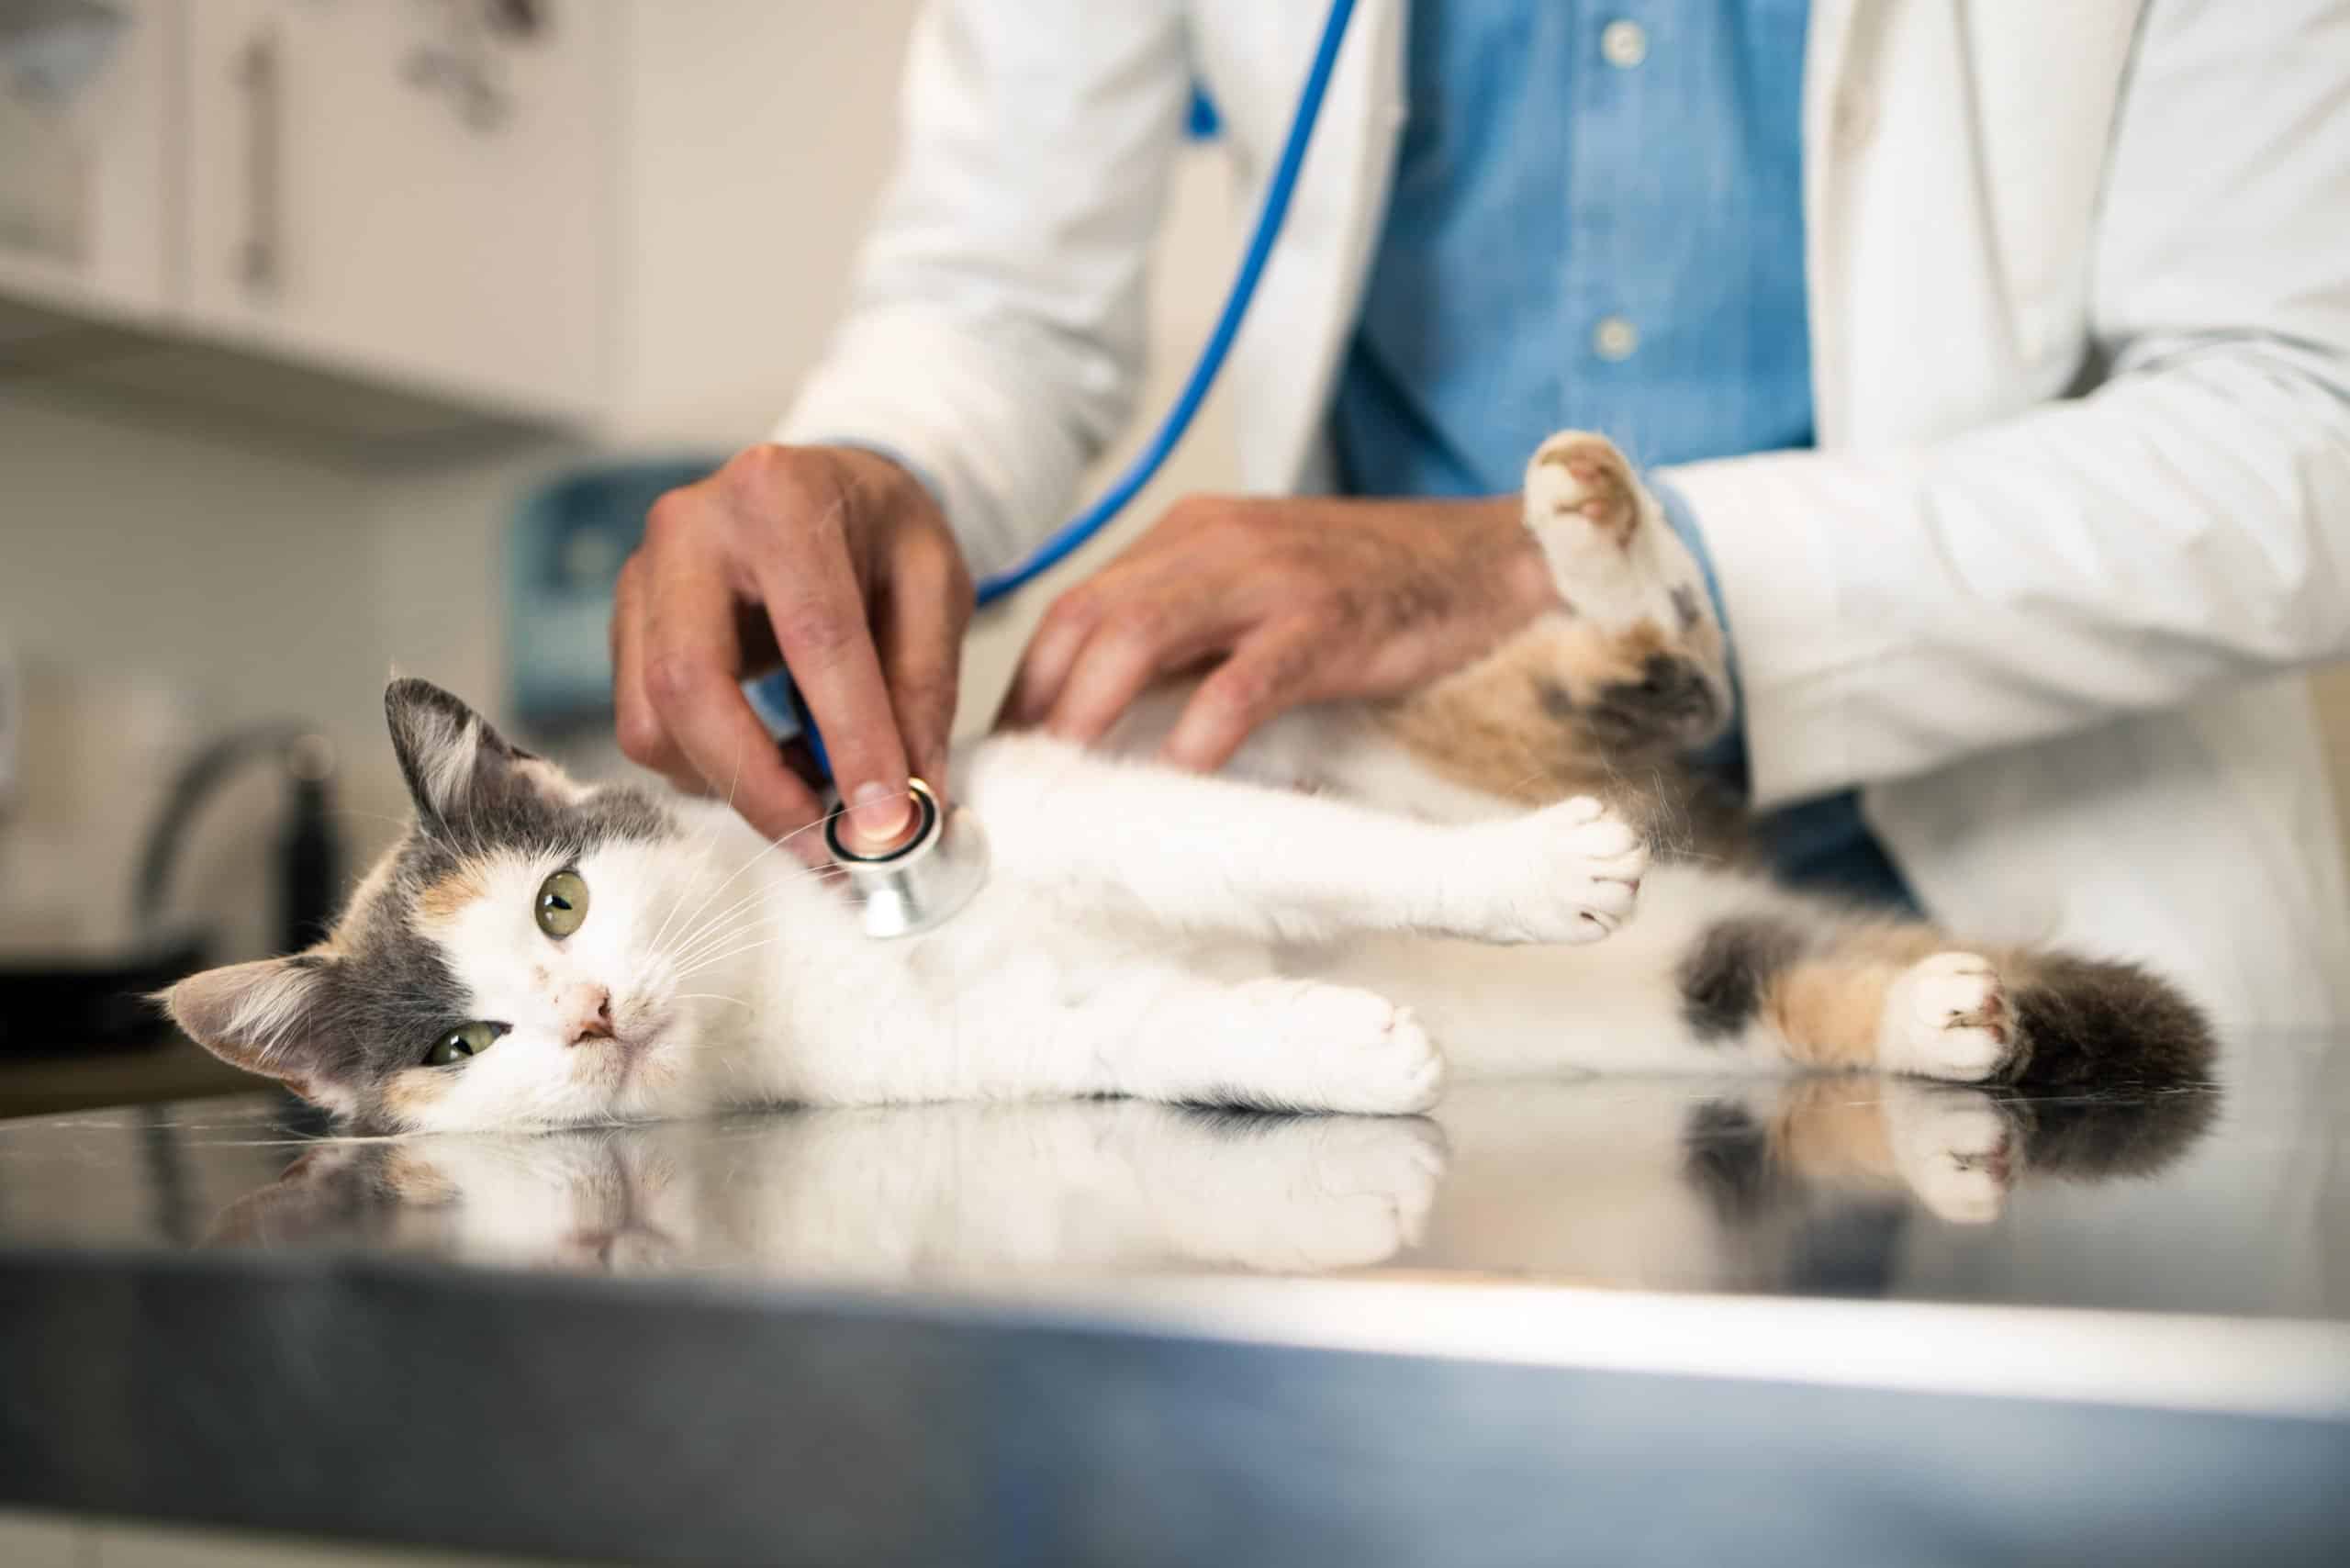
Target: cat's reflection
(1814,1184)
(1957,1151)
(1662,1182)
(877,1195)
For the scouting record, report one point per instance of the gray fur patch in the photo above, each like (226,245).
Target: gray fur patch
(2094,1023)
(1724,976)
(1684,607)
(1671,703)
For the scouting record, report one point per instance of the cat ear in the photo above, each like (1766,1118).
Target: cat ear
(264,1018)
(455,762)
(448,752)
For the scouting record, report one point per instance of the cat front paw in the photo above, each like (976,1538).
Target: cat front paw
(1955,1148)
(1345,1050)
(1569,873)
(1948,1017)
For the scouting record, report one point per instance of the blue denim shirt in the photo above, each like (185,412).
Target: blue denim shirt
(1597,223)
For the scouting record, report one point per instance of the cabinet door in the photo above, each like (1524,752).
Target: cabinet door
(414,190)
(85,90)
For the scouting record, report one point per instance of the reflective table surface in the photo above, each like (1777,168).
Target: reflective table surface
(1828,1316)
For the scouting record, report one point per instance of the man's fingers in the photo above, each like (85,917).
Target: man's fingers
(687,667)
(1108,673)
(1045,663)
(925,606)
(1267,674)
(643,736)
(817,607)
(1153,617)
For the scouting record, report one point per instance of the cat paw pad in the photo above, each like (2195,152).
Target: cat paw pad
(1569,873)
(1948,1017)
(1580,480)
(1954,1146)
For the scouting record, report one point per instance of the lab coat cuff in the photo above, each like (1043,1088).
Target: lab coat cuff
(1752,523)
(854,422)
(916,469)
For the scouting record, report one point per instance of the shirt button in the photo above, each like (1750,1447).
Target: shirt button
(1623,44)
(1615,338)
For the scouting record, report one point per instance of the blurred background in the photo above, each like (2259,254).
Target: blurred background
(345,336)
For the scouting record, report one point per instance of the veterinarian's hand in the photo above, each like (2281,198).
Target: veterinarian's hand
(1284,601)
(840,560)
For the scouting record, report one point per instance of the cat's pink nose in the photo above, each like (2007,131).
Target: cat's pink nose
(591,1014)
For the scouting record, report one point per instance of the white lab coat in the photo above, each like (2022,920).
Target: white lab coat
(2079,277)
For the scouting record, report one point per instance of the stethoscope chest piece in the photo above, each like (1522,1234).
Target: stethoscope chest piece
(918,884)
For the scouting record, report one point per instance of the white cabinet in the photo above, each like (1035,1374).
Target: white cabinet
(414,190)
(85,90)
(379,217)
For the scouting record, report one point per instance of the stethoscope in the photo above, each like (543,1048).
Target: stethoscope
(920,882)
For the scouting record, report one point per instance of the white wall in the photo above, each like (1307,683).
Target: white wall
(231,581)
(757,134)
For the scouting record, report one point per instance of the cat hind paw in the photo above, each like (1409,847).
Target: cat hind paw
(1948,1017)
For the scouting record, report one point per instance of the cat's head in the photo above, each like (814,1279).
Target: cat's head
(498,967)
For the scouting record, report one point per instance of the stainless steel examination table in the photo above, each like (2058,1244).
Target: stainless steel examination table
(1713,1321)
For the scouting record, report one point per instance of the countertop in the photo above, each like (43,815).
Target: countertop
(1823,1320)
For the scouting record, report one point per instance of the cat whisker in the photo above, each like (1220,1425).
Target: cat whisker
(760,854)
(731,953)
(769,850)
(709,832)
(703,929)
(684,963)
(736,920)
(711,996)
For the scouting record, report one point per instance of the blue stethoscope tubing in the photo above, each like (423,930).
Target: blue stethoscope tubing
(1072,536)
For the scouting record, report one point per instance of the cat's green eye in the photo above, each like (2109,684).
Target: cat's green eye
(563,903)
(467,1040)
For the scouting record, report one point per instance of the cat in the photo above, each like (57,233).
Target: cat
(1365,880)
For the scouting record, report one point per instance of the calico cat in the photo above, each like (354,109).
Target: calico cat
(1366,880)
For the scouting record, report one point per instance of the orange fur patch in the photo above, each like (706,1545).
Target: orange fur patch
(443,897)
(1828,1008)
(1826,1012)
(1500,726)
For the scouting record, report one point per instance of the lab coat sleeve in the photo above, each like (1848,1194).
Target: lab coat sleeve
(995,333)
(2183,525)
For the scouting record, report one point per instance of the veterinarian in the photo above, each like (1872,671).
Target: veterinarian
(1995,357)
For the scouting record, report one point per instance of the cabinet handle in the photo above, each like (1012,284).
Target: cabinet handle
(261,78)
